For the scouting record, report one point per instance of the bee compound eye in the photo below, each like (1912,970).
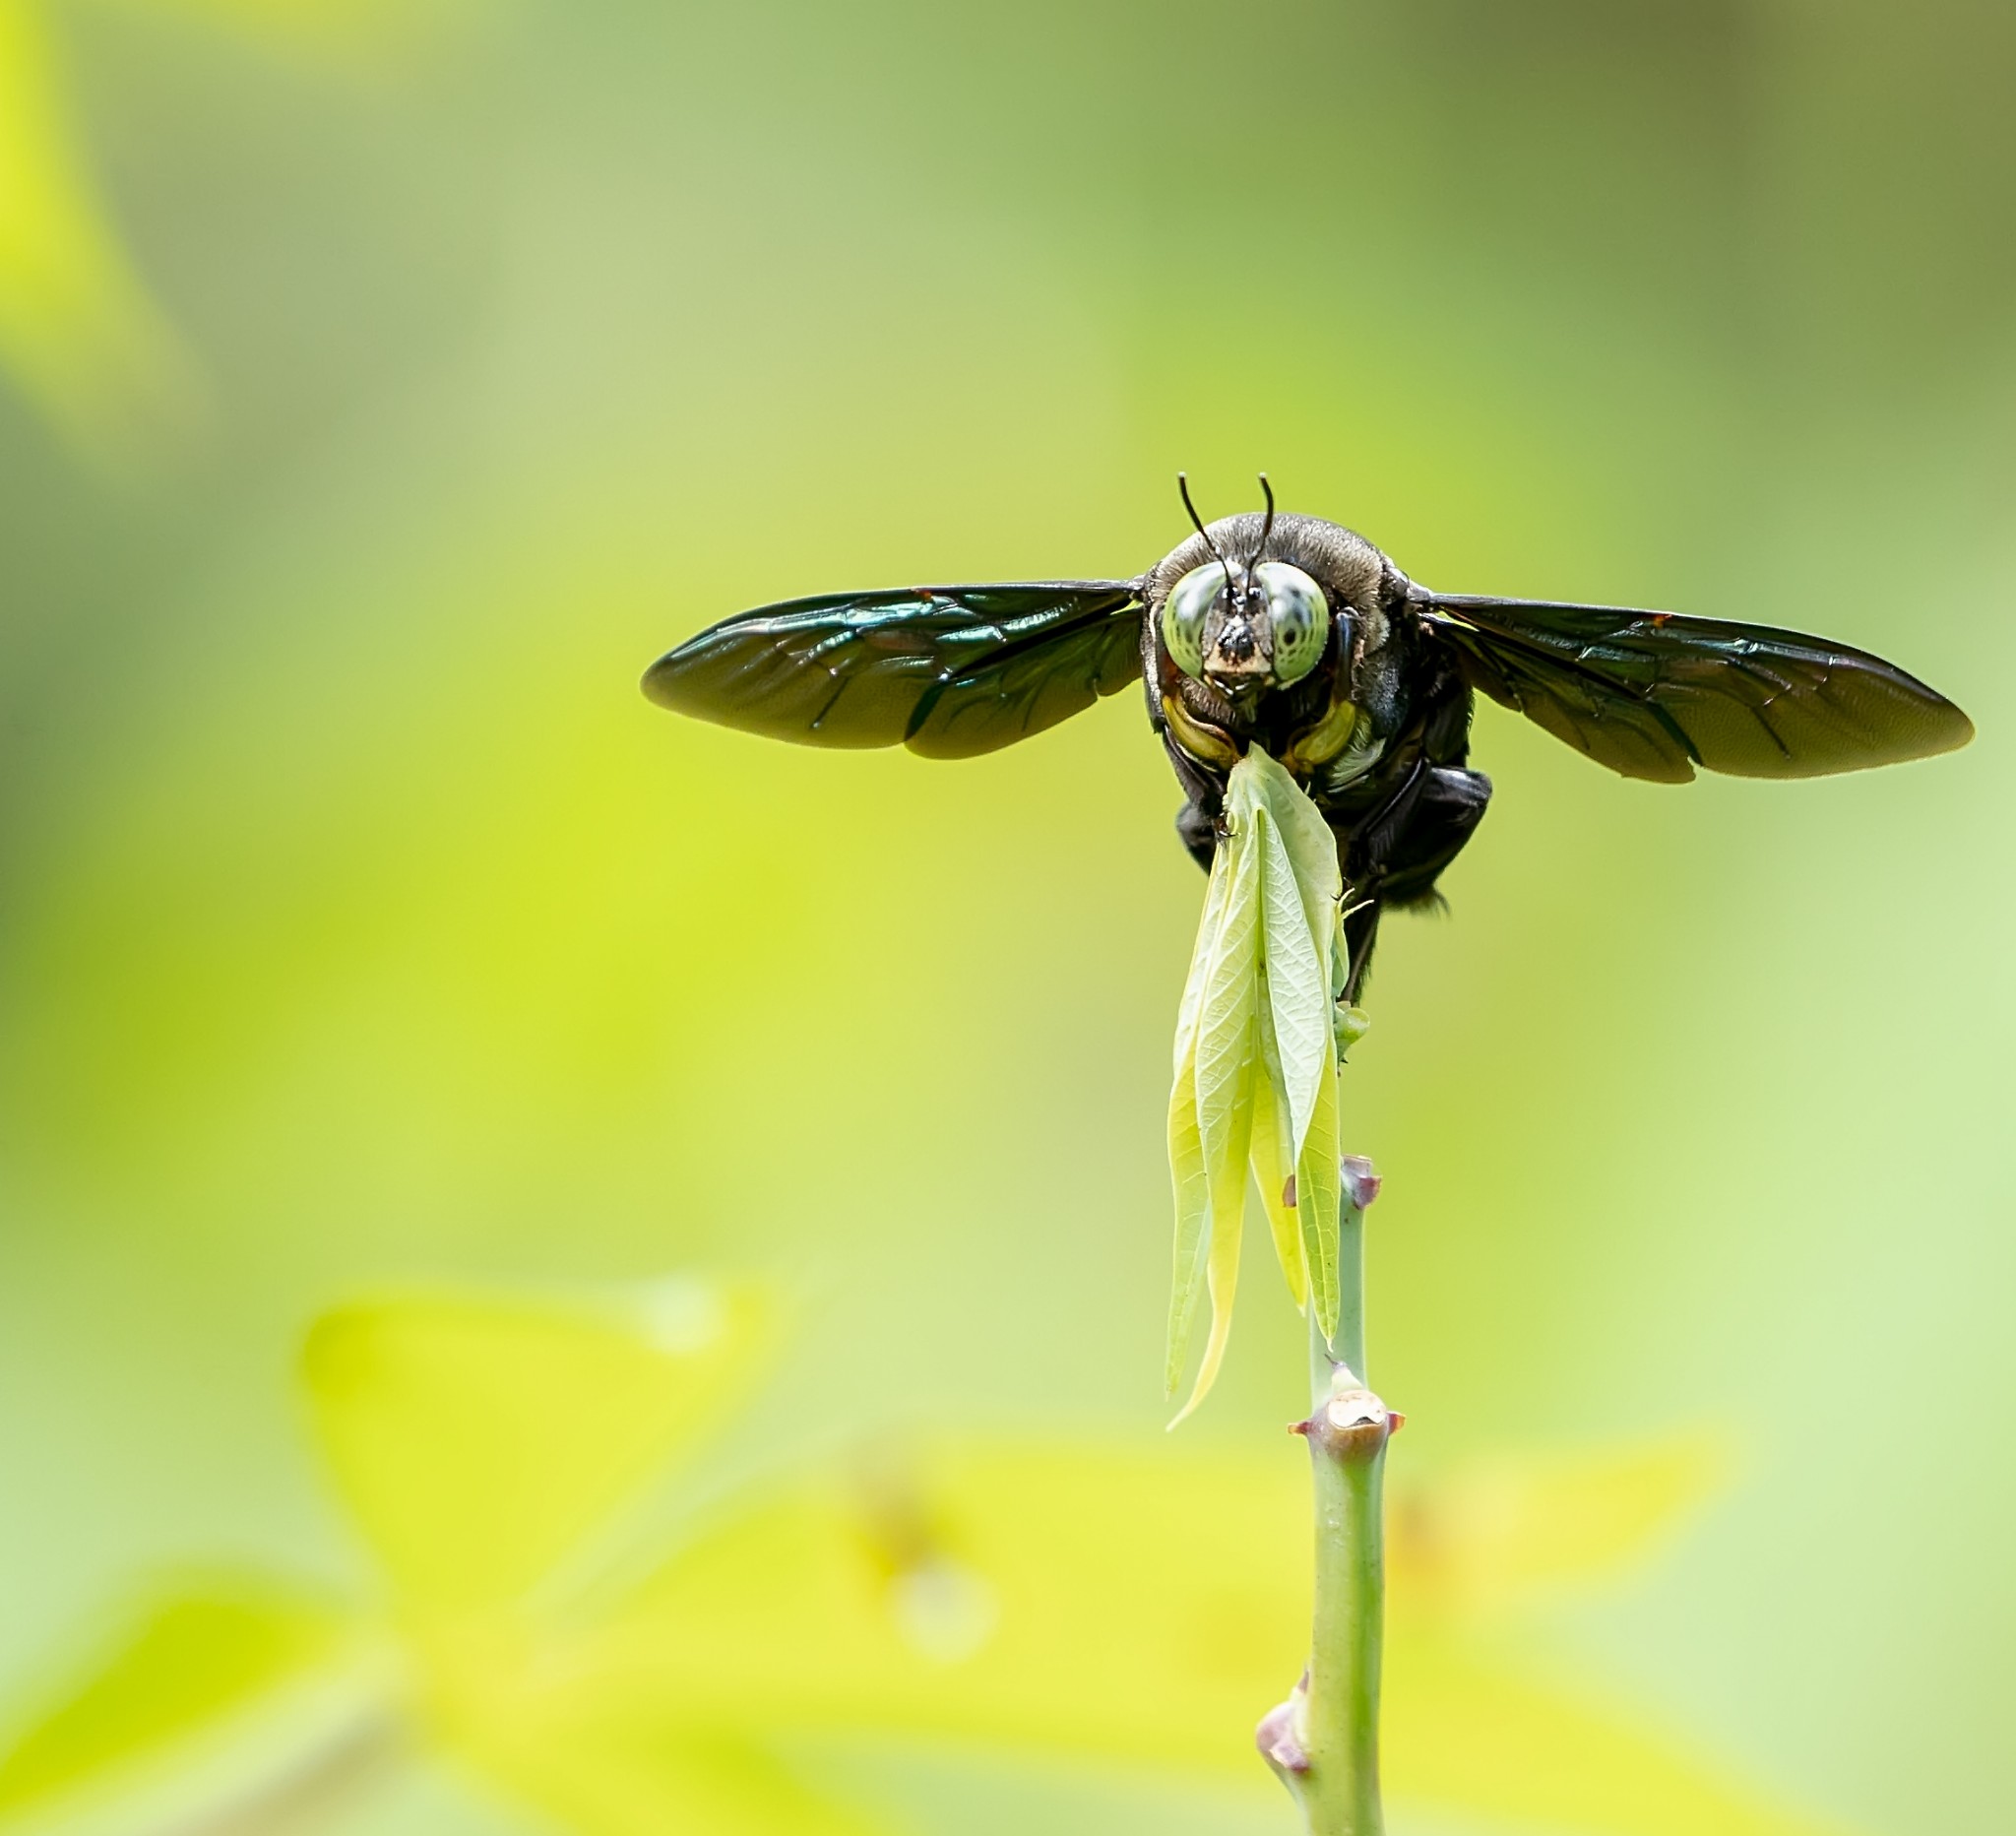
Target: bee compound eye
(1300,618)
(1183,615)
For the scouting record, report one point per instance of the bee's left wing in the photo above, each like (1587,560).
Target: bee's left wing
(1654,694)
(949,671)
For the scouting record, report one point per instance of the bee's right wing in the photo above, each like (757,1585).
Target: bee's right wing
(1655,694)
(948,671)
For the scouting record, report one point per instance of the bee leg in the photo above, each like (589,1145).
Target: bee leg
(1360,933)
(1197,821)
(1198,831)
(1396,855)
(1443,816)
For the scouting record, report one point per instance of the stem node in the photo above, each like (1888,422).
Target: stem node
(1353,1425)
(1361,1180)
(1279,1736)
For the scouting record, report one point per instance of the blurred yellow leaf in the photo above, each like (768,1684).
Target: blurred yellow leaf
(622,1774)
(476,1443)
(1468,1736)
(1501,1531)
(191,1664)
(77,331)
(1052,1605)
(1128,1609)
(354,33)
(1113,1602)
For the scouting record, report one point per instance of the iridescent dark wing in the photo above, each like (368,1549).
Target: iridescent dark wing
(949,671)
(1654,694)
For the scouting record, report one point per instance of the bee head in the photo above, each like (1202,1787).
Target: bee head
(1244,627)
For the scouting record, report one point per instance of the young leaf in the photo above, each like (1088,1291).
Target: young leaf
(1274,1161)
(1298,981)
(1214,1094)
(1310,842)
(1228,1051)
(1228,1207)
(1192,1182)
(1215,896)
(1189,1170)
(1256,1035)
(1319,1193)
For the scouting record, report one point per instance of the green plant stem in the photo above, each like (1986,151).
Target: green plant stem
(1349,1345)
(1335,1776)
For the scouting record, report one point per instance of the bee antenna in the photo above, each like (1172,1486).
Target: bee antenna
(1266,529)
(1184,485)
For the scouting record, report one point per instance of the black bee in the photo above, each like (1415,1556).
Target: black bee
(1300,635)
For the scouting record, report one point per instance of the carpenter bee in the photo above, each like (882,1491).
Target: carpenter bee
(1300,635)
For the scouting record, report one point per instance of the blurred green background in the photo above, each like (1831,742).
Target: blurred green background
(386,384)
